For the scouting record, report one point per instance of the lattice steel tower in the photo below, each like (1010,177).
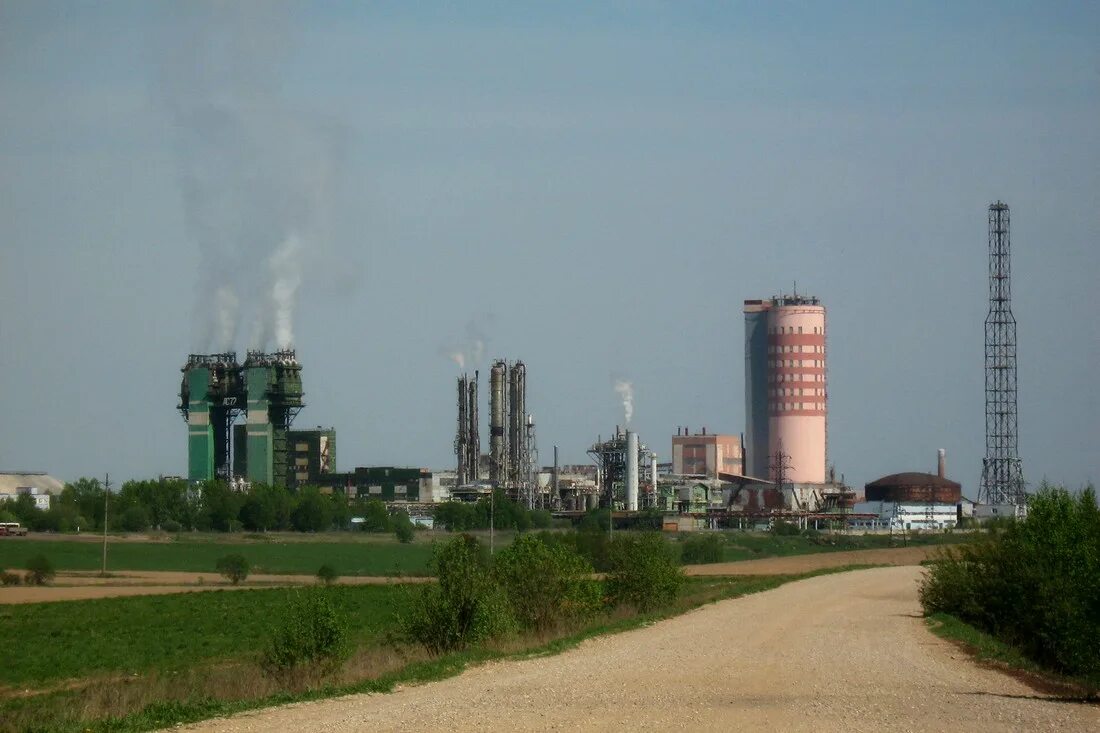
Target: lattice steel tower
(1002,477)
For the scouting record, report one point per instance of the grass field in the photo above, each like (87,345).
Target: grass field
(363,554)
(757,545)
(382,556)
(46,642)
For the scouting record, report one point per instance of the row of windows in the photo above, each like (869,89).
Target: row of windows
(797,349)
(774,363)
(796,377)
(796,392)
(792,329)
(791,406)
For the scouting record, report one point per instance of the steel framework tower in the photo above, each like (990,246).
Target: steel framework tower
(1002,476)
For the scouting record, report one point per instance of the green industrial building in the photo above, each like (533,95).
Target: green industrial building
(216,390)
(267,390)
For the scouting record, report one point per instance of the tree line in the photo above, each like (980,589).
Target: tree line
(174,505)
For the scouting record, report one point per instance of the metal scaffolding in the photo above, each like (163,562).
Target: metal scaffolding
(1002,475)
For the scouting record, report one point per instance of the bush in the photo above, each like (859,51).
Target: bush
(545,583)
(375,517)
(785,529)
(327,574)
(403,527)
(7,578)
(541,519)
(643,573)
(234,567)
(463,606)
(701,548)
(1034,585)
(171,526)
(312,634)
(39,570)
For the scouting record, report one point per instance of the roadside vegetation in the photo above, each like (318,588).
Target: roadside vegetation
(193,656)
(1033,585)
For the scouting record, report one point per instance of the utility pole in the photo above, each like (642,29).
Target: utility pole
(492,518)
(106,493)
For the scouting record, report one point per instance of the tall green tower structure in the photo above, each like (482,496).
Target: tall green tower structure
(211,397)
(274,398)
(214,392)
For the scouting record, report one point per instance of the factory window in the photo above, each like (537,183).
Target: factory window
(800,329)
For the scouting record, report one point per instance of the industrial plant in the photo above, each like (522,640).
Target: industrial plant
(239,429)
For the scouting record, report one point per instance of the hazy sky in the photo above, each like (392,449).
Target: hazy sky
(595,187)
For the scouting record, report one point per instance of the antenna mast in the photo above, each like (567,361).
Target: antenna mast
(1002,475)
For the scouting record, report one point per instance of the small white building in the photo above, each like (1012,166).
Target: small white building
(910,515)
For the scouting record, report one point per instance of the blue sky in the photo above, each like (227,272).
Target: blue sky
(597,187)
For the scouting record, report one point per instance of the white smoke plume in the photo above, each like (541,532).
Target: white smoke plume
(255,172)
(472,348)
(625,390)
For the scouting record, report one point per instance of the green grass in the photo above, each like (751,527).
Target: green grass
(380,556)
(988,649)
(46,642)
(759,545)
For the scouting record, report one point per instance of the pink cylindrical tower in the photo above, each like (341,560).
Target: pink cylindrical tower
(796,388)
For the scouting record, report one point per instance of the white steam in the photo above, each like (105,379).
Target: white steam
(472,348)
(254,172)
(625,390)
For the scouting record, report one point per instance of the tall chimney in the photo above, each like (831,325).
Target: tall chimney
(941,468)
(631,471)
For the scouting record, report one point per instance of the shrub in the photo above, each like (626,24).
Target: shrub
(327,574)
(39,570)
(171,526)
(7,578)
(643,572)
(541,519)
(403,527)
(463,606)
(312,634)
(1034,585)
(234,567)
(545,583)
(701,548)
(785,529)
(375,517)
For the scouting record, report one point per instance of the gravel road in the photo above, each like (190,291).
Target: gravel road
(844,652)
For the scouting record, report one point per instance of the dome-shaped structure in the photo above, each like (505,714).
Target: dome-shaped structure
(914,487)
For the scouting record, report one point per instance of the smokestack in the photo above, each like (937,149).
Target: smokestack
(461,449)
(631,471)
(473,437)
(653,472)
(498,415)
(941,468)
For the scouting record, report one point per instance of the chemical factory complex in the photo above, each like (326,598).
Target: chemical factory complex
(240,418)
